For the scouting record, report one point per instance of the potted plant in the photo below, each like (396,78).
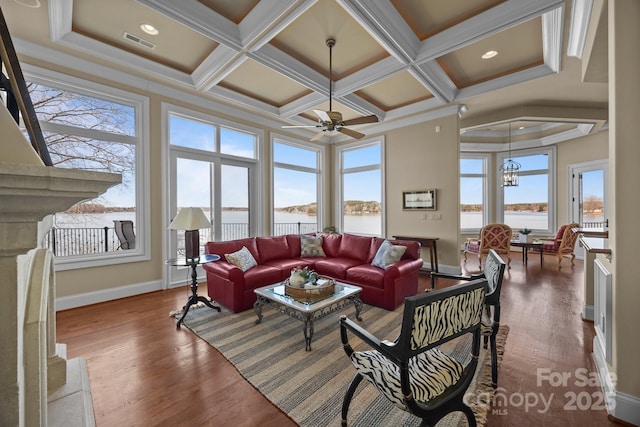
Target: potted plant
(524,235)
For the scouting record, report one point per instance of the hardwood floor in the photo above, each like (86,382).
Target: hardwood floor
(145,372)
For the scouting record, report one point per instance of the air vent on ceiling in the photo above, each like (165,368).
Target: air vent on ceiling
(138,40)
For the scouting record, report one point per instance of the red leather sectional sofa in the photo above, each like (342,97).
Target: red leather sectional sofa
(347,258)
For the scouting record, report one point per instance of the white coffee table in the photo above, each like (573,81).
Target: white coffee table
(274,296)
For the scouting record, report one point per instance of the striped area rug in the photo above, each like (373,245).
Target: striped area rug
(310,386)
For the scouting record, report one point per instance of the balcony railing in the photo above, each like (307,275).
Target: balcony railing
(85,241)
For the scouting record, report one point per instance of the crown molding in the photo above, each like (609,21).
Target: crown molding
(580,17)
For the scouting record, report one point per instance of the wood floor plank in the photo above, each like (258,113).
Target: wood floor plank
(145,372)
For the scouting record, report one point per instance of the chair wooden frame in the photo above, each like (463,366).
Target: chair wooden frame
(416,338)
(565,245)
(494,273)
(492,236)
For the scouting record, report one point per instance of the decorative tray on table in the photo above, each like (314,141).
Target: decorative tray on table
(314,289)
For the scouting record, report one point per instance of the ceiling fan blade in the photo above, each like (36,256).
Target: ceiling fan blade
(323,115)
(298,126)
(318,136)
(351,133)
(361,120)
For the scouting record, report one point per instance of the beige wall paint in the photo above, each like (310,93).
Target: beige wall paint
(624,154)
(417,158)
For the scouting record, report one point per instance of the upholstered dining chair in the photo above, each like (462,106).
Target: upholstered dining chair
(411,371)
(494,273)
(492,236)
(563,244)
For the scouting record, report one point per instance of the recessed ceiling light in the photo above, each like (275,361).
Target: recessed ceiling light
(149,29)
(521,127)
(489,54)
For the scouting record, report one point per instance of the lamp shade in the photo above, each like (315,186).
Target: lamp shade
(189,219)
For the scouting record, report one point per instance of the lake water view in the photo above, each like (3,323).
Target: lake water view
(360,224)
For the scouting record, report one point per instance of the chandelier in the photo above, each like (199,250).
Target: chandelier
(510,169)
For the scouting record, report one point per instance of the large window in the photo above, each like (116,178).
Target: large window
(532,203)
(296,187)
(97,128)
(474,212)
(213,165)
(361,187)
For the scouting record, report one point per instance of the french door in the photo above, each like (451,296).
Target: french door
(588,196)
(221,188)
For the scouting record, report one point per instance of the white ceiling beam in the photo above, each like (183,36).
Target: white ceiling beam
(487,23)
(216,67)
(383,22)
(258,29)
(580,17)
(432,76)
(552,25)
(367,76)
(284,64)
(200,18)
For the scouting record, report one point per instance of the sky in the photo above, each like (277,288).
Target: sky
(291,187)
(530,188)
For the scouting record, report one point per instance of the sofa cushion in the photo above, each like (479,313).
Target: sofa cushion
(276,247)
(241,259)
(388,254)
(413,248)
(356,247)
(311,246)
(335,267)
(293,240)
(262,275)
(331,244)
(376,242)
(222,248)
(366,274)
(286,265)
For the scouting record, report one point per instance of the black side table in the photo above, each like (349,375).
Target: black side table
(194,297)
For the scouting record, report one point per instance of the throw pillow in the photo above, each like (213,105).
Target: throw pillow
(311,246)
(241,259)
(388,254)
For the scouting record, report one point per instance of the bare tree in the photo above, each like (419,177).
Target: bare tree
(592,204)
(70,148)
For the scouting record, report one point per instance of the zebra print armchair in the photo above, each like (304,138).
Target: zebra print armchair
(411,371)
(494,273)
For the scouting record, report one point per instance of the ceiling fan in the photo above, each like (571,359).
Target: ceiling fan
(330,121)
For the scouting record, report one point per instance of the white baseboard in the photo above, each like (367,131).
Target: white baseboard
(588,312)
(621,406)
(87,298)
(627,408)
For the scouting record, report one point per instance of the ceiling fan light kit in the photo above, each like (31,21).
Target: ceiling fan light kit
(331,121)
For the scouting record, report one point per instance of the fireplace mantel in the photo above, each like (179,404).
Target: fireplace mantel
(28,194)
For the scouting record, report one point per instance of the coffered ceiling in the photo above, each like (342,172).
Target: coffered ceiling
(401,60)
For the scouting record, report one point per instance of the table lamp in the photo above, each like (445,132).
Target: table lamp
(191,220)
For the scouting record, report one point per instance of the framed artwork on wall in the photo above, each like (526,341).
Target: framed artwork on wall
(419,199)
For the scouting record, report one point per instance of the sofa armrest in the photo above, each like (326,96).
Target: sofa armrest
(225,270)
(404,267)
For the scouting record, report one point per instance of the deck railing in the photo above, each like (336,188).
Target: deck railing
(85,241)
